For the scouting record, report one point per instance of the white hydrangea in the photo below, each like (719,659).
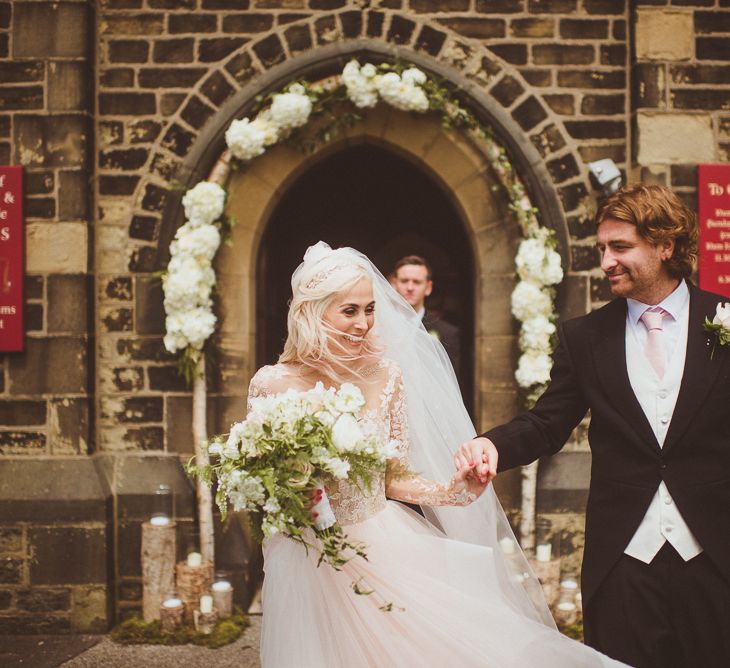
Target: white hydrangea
(265,124)
(245,139)
(414,76)
(188,328)
(204,203)
(533,368)
(538,263)
(187,285)
(536,333)
(291,109)
(530,301)
(405,95)
(361,84)
(200,242)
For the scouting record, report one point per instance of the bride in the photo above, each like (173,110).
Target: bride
(461,589)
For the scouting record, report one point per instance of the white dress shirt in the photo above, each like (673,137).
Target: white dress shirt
(657,397)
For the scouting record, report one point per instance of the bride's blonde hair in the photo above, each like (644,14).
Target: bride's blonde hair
(314,286)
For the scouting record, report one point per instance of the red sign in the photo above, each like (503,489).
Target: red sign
(714,218)
(11,259)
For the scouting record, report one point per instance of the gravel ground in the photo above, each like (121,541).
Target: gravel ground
(244,653)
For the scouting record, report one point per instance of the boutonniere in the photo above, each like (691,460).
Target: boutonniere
(720,325)
(435,334)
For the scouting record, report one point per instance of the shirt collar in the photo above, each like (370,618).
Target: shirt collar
(421,312)
(673,303)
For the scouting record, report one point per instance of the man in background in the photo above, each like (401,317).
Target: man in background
(414,282)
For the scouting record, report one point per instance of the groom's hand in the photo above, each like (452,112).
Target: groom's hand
(479,454)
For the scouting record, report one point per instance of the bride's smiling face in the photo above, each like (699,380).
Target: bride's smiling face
(351,312)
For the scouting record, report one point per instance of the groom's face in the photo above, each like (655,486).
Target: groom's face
(634,267)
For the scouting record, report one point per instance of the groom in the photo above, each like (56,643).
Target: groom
(656,566)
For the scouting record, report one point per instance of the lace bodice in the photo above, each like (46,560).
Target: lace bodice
(385,407)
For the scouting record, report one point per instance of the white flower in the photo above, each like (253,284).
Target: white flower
(349,398)
(533,369)
(187,286)
(339,468)
(215,449)
(200,242)
(401,94)
(368,70)
(535,334)
(245,139)
(413,76)
(291,109)
(265,124)
(271,506)
(360,84)
(195,326)
(204,203)
(722,315)
(530,301)
(538,263)
(346,433)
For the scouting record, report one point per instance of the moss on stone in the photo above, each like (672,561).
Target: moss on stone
(135,631)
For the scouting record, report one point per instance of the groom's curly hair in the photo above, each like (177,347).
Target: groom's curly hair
(659,215)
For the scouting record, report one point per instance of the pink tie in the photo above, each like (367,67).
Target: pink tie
(654,349)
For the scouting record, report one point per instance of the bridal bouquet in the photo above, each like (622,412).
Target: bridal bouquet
(276,462)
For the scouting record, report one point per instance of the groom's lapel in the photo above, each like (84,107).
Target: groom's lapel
(609,353)
(700,367)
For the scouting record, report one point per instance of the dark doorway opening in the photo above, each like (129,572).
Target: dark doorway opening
(383,205)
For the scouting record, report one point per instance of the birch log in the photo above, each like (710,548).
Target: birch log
(529,494)
(200,435)
(158,567)
(219,174)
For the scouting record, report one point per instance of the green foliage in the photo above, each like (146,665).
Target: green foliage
(722,335)
(574,630)
(135,631)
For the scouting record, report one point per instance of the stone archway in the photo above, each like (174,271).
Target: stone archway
(462,172)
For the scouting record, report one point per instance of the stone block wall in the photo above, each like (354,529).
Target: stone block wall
(46,124)
(681,91)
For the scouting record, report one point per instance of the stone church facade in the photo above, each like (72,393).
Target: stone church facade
(114,107)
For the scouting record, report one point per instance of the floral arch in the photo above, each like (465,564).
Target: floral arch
(327,108)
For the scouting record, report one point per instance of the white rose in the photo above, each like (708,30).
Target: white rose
(204,203)
(530,301)
(349,398)
(722,315)
(245,139)
(533,369)
(346,433)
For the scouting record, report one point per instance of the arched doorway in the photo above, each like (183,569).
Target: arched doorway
(376,201)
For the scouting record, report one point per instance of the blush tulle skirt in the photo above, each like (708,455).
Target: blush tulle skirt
(447,610)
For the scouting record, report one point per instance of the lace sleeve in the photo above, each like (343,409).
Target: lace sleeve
(400,483)
(263,383)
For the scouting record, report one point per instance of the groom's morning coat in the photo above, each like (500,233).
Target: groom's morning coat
(589,372)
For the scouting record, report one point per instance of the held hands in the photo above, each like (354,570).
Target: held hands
(466,487)
(477,460)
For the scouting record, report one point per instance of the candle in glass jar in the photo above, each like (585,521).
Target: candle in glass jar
(195,559)
(206,604)
(223,597)
(160,521)
(543,552)
(172,603)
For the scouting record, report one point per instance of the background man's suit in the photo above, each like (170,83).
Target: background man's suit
(628,464)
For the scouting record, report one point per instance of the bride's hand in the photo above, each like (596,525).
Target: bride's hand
(467,483)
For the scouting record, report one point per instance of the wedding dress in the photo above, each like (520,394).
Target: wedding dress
(447,606)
